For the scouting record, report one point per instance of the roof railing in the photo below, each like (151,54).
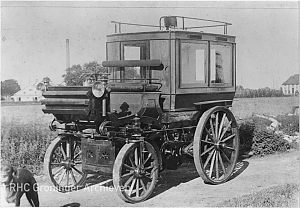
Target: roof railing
(171,22)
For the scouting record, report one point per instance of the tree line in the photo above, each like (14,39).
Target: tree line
(242,92)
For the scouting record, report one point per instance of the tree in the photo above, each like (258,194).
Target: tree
(9,87)
(41,86)
(46,80)
(73,76)
(76,75)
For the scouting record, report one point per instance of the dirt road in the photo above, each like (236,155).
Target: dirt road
(184,187)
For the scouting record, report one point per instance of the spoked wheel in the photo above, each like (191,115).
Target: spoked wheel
(216,145)
(135,171)
(63,163)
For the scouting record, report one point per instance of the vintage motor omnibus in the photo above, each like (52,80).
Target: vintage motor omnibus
(164,94)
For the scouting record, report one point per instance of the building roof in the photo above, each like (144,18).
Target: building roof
(29,91)
(293,80)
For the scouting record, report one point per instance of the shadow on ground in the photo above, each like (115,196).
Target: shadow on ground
(171,178)
(239,168)
(74,204)
(167,178)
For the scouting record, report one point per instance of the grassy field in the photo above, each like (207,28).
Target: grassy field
(245,107)
(278,196)
(242,108)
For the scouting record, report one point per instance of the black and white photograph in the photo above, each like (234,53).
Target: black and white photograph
(150,104)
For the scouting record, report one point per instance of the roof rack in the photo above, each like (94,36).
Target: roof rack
(171,22)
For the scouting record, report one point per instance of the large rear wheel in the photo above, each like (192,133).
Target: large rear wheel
(216,145)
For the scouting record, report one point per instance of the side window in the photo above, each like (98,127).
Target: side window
(134,51)
(221,63)
(193,64)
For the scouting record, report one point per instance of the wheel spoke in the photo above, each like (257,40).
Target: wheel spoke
(61,177)
(225,156)
(77,155)
(217,123)
(78,171)
(225,129)
(207,142)
(132,163)
(212,164)
(63,151)
(136,160)
(67,173)
(208,158)
(221,161)
(132,186)
(58,170)
(75,146)
(128,174)
(230,148)
(128,167)
(212,129)
(149,156)
(217,165)
(68,146)
(206,151)
(54,163)
(227,138)
(137,188)
(128,181)
(143,185)
(221,125)
(207,132)
(73,177)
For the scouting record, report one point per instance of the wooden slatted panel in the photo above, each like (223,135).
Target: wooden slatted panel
(63,101)
(68,88)
(49,94)
(81,111)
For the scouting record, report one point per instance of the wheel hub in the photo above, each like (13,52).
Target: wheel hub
(139,172)
(68,164)
(218,145)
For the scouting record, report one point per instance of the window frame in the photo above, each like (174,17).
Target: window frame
(146,55)
(211,84)
(206,53)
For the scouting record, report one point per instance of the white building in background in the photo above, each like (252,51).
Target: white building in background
(291,85)
(30,93)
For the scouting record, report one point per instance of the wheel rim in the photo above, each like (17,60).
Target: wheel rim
(65,164)
(136,175)
(217,142)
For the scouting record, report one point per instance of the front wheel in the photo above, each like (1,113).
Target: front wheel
(216,145)
(135,171)
(63,163)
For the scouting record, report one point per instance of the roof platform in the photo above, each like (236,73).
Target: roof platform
(176,23)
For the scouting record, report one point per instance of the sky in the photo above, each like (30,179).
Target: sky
(33,35)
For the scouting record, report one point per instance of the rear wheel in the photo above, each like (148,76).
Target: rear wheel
(216,145)
(135,171)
